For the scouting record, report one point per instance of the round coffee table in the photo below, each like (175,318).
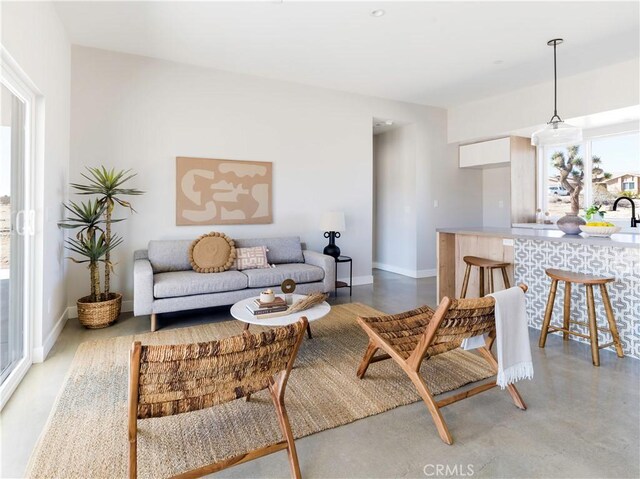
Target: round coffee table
(240,312)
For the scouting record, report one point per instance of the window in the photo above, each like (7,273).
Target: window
(598,170)
(616,164)
(18,268)
(565,178)
(12,243)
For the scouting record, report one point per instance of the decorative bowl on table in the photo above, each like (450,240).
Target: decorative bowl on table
(604,231)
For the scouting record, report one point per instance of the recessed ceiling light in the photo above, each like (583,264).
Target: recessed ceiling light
(388,122)
(377,13)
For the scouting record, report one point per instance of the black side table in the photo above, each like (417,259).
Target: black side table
(342,284)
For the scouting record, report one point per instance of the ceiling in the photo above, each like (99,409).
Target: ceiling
(432,53)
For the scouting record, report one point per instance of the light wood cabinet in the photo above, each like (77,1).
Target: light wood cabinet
(453,247)
(523,180)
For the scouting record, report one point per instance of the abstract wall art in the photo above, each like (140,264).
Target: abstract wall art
(222,192)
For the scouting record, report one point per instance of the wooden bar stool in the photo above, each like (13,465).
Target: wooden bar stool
(589,281)
(482,264)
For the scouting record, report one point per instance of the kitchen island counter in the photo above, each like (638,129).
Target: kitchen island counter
(530,252)
(622,240)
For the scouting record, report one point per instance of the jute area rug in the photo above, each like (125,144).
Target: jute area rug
(86,436)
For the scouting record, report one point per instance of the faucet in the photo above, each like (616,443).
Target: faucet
(634,221)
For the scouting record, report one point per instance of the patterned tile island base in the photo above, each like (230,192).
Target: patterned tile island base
(532,257)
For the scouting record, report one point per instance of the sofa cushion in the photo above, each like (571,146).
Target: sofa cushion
(299,272)
(187,283)
(281,250)
(251,258)
(169,255)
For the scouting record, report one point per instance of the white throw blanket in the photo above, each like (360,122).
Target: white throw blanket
(512,337)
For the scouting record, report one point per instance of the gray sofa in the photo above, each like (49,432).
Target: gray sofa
(163,280)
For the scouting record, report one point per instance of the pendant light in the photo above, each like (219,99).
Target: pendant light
(557,132)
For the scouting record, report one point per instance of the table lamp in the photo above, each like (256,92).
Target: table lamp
(332,225)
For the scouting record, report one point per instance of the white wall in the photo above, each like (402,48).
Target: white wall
(394,160)
(496,197)
(458,192)
(604,89)
(135,112)
(35,38)
(417,194)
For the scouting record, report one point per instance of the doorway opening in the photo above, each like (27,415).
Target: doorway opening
(394,196)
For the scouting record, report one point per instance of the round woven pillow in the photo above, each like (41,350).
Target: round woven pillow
(212,253)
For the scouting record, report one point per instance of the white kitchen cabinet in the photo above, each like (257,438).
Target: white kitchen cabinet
(485,153)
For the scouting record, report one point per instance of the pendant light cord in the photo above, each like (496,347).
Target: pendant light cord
(555,118)
(556,132)
(555,82)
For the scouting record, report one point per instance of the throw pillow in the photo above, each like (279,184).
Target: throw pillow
(252,258)
(281,250)
(212,253)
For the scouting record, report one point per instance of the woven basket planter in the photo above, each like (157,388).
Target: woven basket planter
(101,314)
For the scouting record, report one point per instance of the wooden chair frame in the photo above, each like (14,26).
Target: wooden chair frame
(277,387)
(411,366)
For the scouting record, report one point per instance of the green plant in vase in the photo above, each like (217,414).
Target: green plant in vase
(86,218)
(594,213)
(107,185)
(95,240)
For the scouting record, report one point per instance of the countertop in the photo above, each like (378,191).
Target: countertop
(624,224)
(621,240)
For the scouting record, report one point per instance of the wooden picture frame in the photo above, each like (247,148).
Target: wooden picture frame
(223,192)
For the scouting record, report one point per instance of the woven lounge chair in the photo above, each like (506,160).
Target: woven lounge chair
(175,379)
(413,336)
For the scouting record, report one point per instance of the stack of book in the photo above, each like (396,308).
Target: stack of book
(258,308)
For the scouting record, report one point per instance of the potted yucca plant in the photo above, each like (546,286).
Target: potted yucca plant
(94,240)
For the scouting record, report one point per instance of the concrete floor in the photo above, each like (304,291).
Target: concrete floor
(581,421)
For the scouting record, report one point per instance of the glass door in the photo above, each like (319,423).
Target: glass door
(13,235)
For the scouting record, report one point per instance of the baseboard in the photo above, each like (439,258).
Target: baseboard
(358,280)
(427,273)
(412,273)
(127,306)
(40,353)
